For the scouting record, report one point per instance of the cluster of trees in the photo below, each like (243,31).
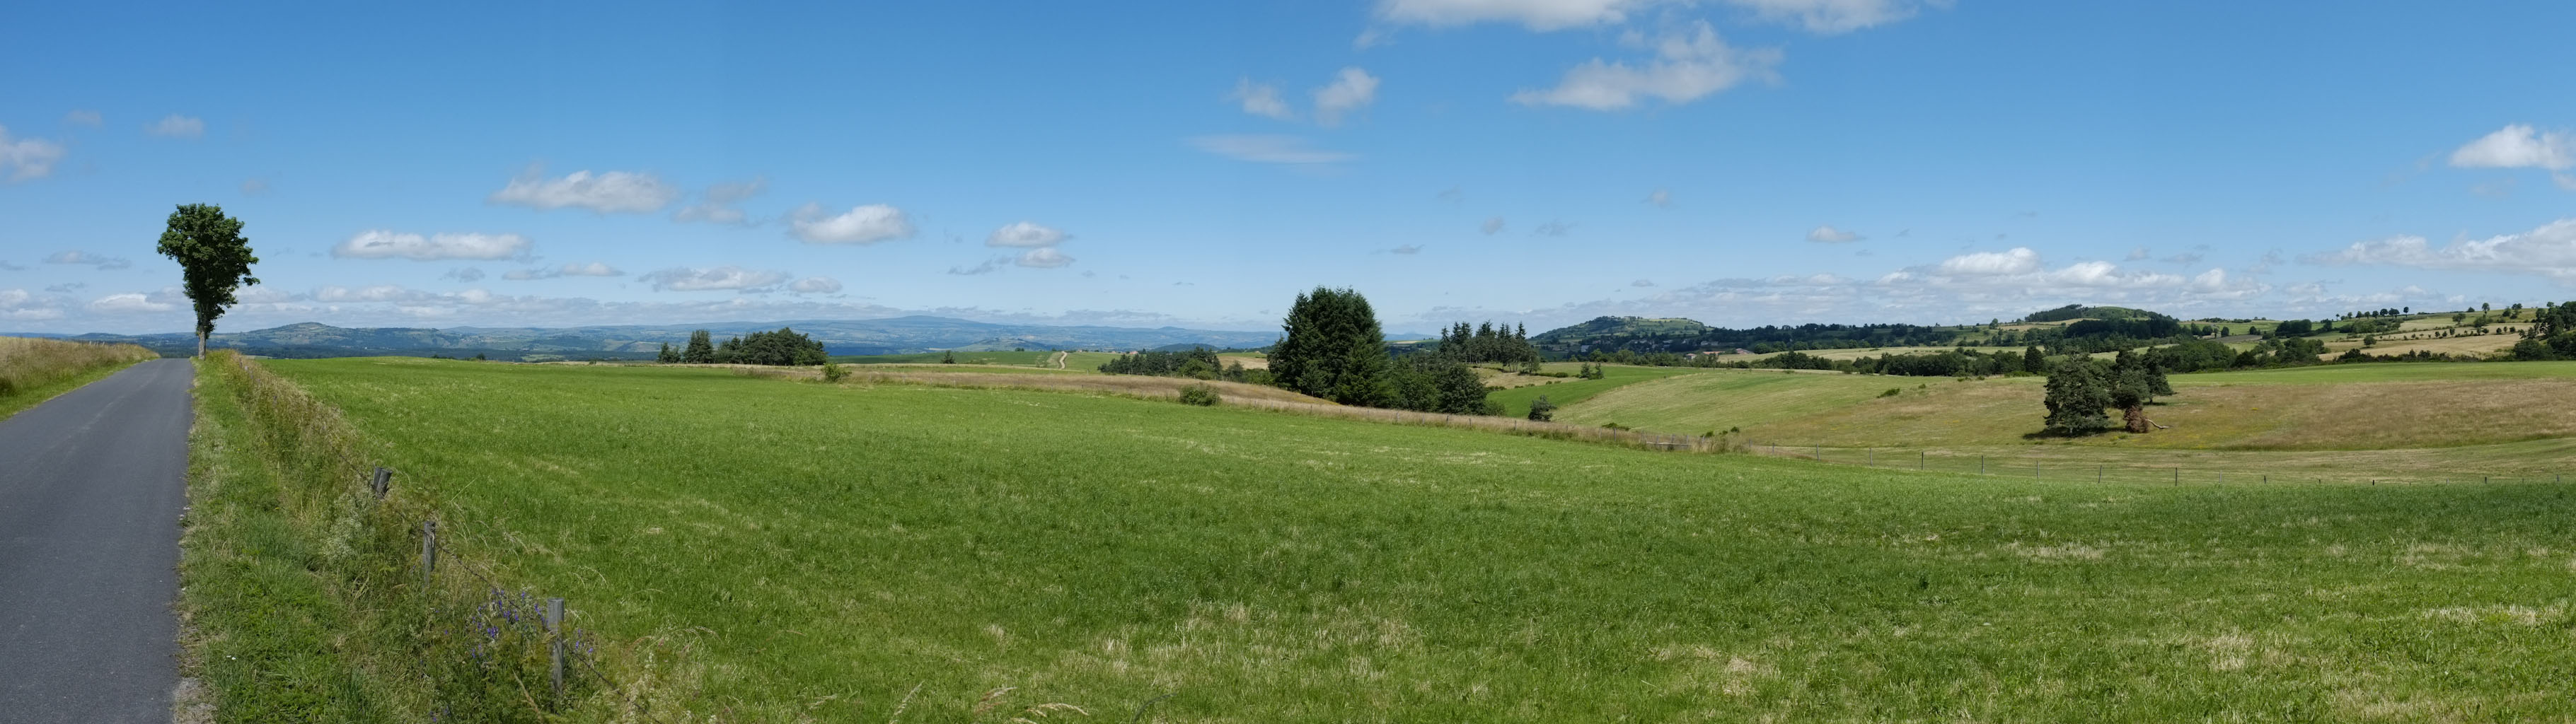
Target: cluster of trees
(1488,344)
(2081,388)
(784,347)
(1333,348)
(1197,363)
(2552,334)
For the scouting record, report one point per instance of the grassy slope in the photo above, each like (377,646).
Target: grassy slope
(1081,361)
(1516,401)
(842,546)
(35,370)
(1720,399)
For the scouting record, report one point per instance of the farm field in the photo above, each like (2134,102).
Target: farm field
(842,553)
(1562,391)
(1085,361)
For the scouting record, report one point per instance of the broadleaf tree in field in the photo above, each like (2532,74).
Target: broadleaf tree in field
(2076,396)
(214,261)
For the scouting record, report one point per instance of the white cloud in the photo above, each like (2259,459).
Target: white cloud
(606,192)
(2549,250)
(718,278)
(1641,283)
(1660,198)
(21,305)
(816,285)
(381,244)
(2020,260)
(719,203)
(593,269)
(1686,67)
(1261,100)
(178,126)
(1024,234)
(28,158)
(1491,226)
(1043,258)
(867,224)
(1540,15)
(1351,90)
(463,274)
(1829,17)
(82,257)
(128,303)
(83,118)
(1827,234)
(2138,254)
(1268,149)
(2518,146)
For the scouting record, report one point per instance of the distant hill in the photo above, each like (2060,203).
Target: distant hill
(899,335)
(2078,311)
(1655,335)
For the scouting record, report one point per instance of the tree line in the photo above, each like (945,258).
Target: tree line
(784,346)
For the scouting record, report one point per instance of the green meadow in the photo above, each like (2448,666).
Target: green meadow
(1083,361)
(803,552)
(1516,401)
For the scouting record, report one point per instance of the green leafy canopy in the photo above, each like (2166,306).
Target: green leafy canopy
(214,259)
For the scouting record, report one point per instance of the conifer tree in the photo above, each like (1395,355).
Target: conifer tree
(1333,348)
(701,350)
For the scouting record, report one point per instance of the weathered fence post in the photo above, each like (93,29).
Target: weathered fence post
(1873,457)
(1922,459)
(428,551)
(1981,465)
(555,640)
(2177,475)
(382,482)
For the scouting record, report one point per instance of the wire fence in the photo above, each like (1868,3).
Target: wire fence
(2140,467)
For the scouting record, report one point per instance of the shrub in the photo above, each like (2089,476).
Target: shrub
(1891,392)
(1542,410)
(1201,395)
(834,372)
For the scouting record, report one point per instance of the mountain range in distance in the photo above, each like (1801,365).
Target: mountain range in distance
(898,335)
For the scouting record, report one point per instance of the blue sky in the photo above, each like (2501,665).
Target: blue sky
(1739,162)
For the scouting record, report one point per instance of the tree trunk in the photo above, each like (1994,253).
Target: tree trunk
(2136,417)
(201,345)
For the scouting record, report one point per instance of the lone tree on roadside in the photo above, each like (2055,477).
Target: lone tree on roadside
(2076,395)
(214,261)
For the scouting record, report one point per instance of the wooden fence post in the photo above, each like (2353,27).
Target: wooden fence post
(383,481)
(555,640)
(428,551)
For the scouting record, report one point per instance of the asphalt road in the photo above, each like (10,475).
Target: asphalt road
(91,487)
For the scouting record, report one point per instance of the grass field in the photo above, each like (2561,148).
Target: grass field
(35,370)
(1566,391)
(918,554)
(1083,361)
(1722,399)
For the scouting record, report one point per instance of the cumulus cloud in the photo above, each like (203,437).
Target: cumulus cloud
(989,266)
(1642,283)
(1043,258)
(463,274)
(1268,149)
(1261,99)
(605,192)
(815,285)
(1830,17)
(81,257)
(2019,260)
(715,279)
(128,303)
(1686,66)
(83,118)
(2549,250)
(28,158)
(25,306)
(1351,90)
(1827,234)
(1539,15)
(2518,146)
(1491,226)
(867,224)
(1024,234)
(177,126)
(719,203)
(381,244)
(593,269)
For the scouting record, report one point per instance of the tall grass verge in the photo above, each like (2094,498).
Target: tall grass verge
(34,370)
(295,550)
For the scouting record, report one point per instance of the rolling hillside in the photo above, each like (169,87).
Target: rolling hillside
(847,337)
